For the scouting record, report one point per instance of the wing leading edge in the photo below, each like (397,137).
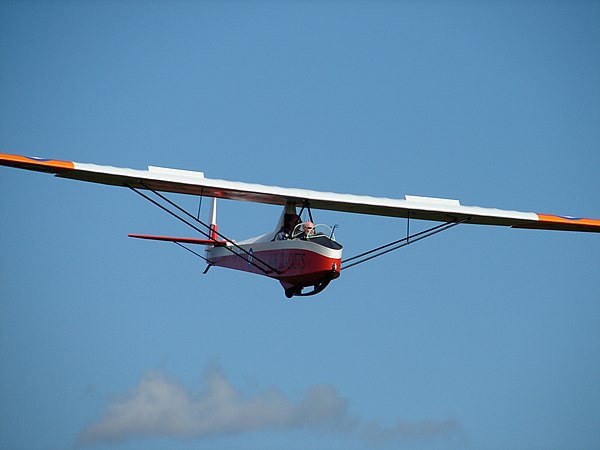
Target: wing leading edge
(195,183)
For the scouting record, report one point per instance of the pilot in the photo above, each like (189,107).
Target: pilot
(290,221)
(308,230)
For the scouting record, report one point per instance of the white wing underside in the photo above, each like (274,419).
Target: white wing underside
(194,183)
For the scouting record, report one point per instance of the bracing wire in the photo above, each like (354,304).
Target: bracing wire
(384,249)
(192,251)
(251,258)
(200,203)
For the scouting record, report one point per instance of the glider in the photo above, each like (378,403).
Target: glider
(300,255)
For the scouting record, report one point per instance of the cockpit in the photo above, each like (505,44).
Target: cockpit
(319,234)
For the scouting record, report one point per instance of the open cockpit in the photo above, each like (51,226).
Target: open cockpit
(321,234)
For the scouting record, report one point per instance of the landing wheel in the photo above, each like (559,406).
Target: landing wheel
(289,292)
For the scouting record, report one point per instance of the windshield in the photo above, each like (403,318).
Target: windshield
(307,230)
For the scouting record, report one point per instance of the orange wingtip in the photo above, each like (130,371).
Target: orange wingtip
(29,162)
(548,218)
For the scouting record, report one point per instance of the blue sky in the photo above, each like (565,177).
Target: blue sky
(481,338)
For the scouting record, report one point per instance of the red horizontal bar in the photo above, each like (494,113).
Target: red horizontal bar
(180,239)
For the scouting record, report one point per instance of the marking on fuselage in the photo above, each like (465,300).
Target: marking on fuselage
(288,260)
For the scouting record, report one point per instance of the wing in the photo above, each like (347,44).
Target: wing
(195,183)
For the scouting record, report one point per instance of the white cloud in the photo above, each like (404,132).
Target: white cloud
(158,407)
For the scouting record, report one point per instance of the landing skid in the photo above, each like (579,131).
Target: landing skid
(297,291)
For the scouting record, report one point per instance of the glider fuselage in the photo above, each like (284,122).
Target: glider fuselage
(295,263)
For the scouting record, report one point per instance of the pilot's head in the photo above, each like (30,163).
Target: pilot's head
(308,228)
